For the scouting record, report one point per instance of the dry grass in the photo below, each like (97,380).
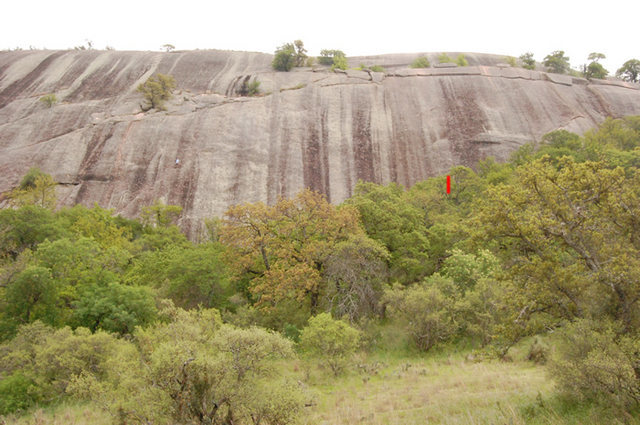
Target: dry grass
(408,391)
(430,392)
(83,414)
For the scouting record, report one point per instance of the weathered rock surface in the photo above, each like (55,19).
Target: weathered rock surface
(314,128)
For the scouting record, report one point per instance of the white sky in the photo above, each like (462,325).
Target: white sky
(356,27)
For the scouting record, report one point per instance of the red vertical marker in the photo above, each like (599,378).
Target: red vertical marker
(448,184)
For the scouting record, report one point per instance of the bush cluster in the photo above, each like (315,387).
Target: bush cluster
(156,91)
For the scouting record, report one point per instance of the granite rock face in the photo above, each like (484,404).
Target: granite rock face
(310,127)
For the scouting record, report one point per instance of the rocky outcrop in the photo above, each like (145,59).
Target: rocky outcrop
(310,127)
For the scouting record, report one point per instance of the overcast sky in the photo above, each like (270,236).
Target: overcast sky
(356,27)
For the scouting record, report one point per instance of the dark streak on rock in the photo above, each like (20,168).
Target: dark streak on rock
(312,169)
(361,131)
(344,151)
(101,83)
(315,159)
(393,157)
(283,160)
(325,153)
(22,86)
(272,190)
(185,179)
(464,121)
(599,103)
(94,151)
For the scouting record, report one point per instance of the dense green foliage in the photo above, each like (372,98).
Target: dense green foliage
(157,329)
(339,62)
(630,71)
(528,62)
(333,341)
(556,62)
(595,69)
(36,188)
(156,91)
(289,55)
(328,57)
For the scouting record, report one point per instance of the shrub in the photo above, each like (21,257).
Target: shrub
(291,332)
(527,61)
(466,269)
(156,90)
(511,61)
(339,62)
(376,68)
(42,361)
(595,70)
(289,55)
(444,58)
(49,100)
(425,309)
(115,308)
(356,270)
(160,215)
(461,60)
(300,53)
(595,363)
(284,58)
(327,56)
(334,341)
(197,371)
(538,351)
(17,393)
(36,188)
(556,62)
(630,71)
(484,310)
(250,89)
(421,62)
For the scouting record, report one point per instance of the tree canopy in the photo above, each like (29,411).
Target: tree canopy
(630,71)
(557,62)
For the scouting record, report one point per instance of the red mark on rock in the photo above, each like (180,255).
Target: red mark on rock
(448,184)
